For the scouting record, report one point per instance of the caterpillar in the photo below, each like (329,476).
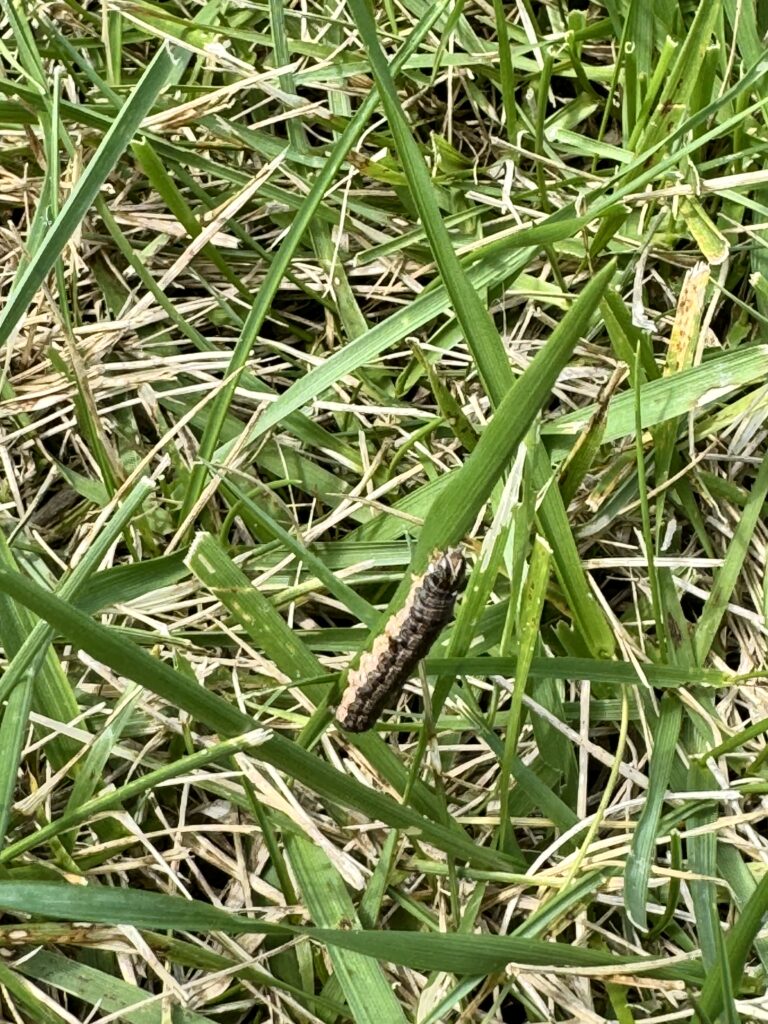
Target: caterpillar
(407,636)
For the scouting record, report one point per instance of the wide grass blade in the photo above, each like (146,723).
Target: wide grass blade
(368,994)
(450,517)
(460,954)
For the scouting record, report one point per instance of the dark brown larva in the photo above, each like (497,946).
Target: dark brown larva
(383,671)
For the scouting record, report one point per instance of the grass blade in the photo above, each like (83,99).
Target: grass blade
(165,63)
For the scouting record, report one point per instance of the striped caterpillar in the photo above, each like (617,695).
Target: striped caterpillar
(406,638)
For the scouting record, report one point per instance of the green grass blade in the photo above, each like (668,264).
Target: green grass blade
(530,624)
(460,954)
(450,518)
(665,398)
(587,613)
(725,579)
(738,944)
(368,994)
(642,852)
(102,991)
(108,647)
(477,324)
(484,954)
(279,267)
(266,626)
(112,146)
